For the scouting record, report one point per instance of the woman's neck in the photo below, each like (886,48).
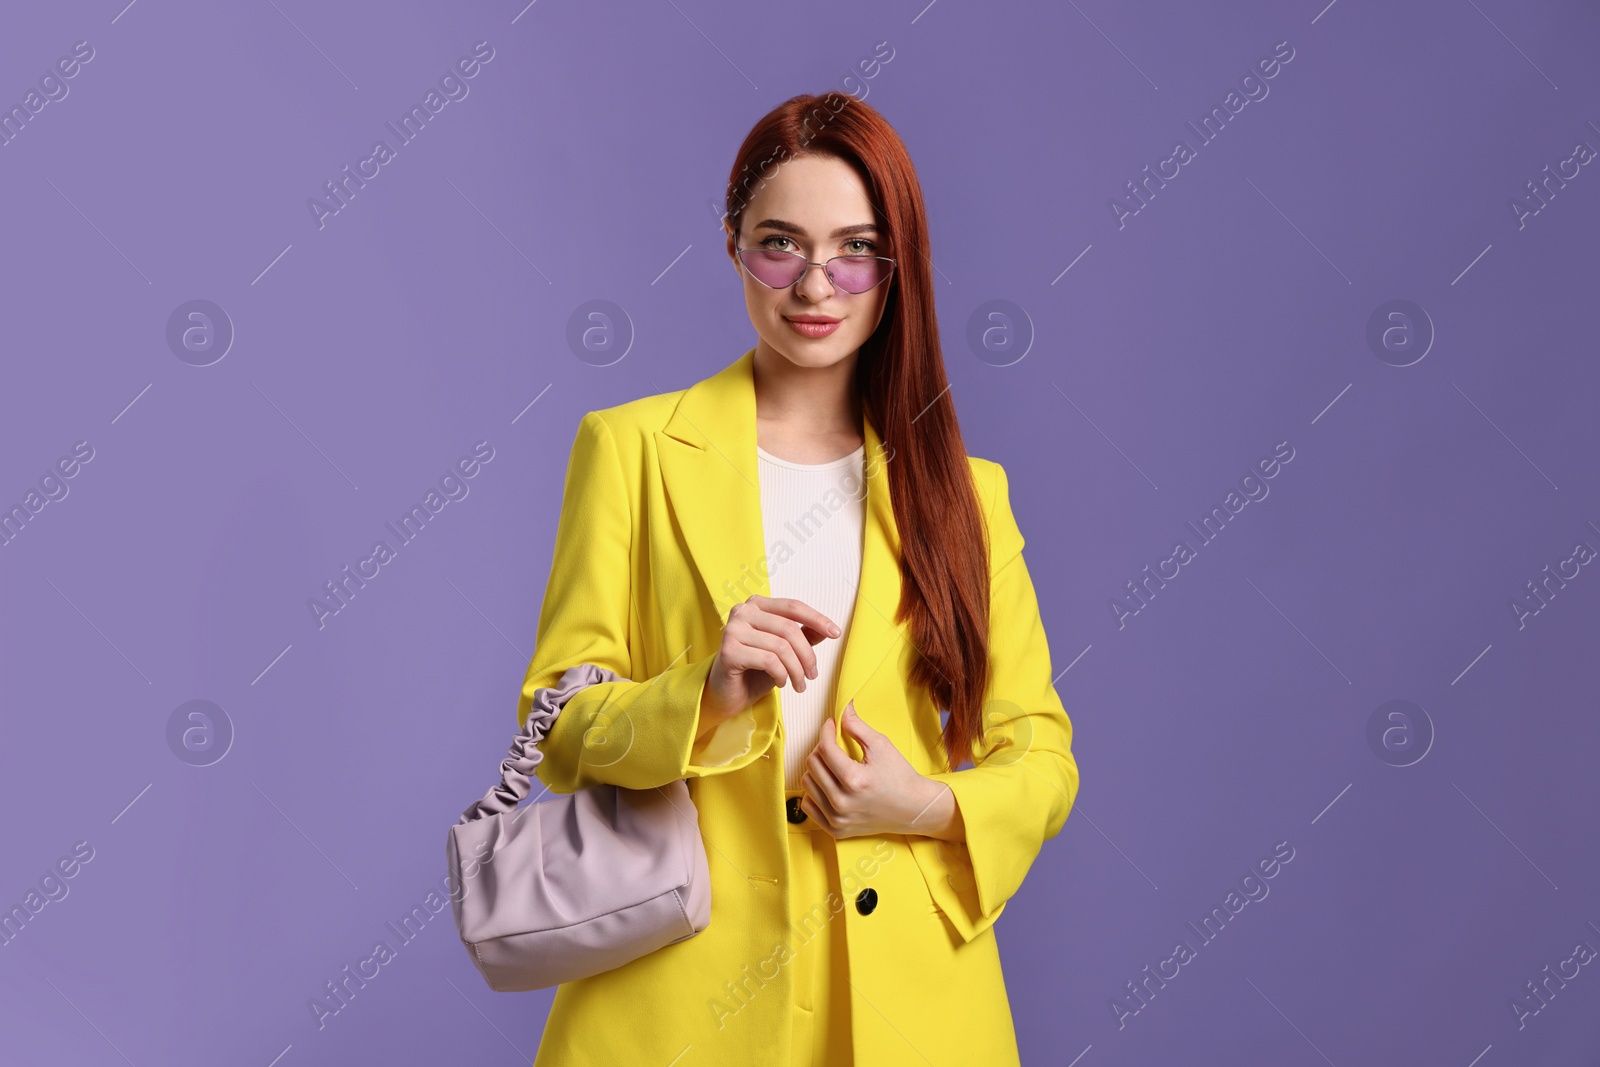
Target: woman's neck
(806,414)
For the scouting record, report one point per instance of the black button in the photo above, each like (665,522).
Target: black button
(866,900)
(795,814)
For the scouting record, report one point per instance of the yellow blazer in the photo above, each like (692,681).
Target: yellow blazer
(660,533)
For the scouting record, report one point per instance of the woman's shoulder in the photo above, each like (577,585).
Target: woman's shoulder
(987,476)
(640,417)
(630,426)
(994,497)
(635,423)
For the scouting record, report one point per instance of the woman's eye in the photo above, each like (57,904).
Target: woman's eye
(865,249)
(768,244)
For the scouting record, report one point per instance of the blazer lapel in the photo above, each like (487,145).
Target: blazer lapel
(708,457)
(874,635)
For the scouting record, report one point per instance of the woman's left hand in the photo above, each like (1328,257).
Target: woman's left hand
(883,794)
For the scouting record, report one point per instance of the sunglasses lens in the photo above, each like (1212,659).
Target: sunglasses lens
(857,274)
(852,274)
(777,269)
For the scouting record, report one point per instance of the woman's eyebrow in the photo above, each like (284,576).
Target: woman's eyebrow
(799,231)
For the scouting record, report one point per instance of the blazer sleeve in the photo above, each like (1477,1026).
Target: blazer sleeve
(1024,778)
(635,733)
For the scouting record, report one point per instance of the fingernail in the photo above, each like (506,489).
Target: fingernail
(834,630)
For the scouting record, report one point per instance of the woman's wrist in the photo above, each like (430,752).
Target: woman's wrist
(940,815)
(712,714)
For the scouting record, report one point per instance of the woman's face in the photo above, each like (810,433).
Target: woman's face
(816,206)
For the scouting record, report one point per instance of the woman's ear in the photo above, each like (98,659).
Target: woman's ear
(733,253)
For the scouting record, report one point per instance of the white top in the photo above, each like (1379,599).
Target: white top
(813,517)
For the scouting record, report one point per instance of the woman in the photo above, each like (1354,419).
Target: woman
(786,644)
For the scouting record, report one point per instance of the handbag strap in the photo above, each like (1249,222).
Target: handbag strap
(516,771)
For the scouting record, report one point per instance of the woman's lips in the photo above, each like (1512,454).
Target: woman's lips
(813,329)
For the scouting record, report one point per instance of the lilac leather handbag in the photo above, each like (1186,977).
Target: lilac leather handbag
(577,884)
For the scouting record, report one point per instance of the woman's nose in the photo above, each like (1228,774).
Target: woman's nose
(814,284)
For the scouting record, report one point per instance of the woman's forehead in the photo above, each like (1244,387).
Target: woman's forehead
(816,195)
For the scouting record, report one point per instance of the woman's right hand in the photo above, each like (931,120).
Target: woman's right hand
(766,642)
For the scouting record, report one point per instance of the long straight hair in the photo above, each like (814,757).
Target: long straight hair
(900,376)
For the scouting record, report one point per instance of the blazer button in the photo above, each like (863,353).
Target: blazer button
(866,901)
(795,814)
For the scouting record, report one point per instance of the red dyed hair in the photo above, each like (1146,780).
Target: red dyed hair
(944,567)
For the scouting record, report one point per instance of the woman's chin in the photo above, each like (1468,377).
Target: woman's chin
(813,354)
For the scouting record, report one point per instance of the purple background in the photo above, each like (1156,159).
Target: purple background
(1229,314)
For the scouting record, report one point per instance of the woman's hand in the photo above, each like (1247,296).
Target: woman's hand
(882,795)
(766,642)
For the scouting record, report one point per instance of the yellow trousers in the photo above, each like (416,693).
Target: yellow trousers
(821,1011)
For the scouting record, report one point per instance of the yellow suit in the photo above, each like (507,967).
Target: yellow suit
(660,534)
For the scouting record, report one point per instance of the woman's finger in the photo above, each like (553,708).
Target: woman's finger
(792,633)
(826,782)
(799,611)
(810,805)
(833,757)
(773,644)
(738,657)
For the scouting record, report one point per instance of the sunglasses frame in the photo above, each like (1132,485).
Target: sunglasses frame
(826,273)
